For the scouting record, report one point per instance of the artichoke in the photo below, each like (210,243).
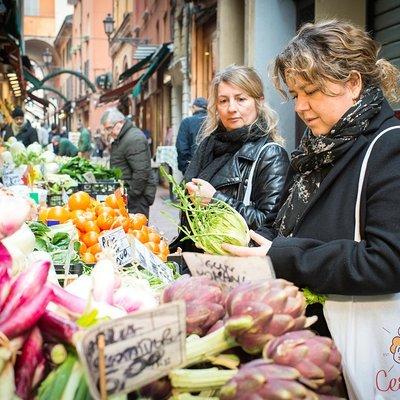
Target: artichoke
(315,357)
(204,302)
(157,390)
(260,380)
(260,311)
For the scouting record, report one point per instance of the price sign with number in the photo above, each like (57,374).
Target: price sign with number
(117,240)
(230,270)
(151,262)
(139,348)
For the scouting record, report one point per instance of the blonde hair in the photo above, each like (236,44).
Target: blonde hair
(332,50)
(249,81)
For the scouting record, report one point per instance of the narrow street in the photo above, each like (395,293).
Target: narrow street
(163,216)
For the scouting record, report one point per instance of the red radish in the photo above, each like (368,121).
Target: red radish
(26,316)
(25,287)
(56,327)
(30,357)
(5,277)
(67,300)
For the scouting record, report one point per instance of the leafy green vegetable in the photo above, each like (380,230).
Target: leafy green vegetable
(76,167)
(312,298)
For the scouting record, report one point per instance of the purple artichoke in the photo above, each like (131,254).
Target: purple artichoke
(315,357)
(261,380)
(204,300)
(258,312)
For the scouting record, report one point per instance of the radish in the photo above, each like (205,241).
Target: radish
(26,316)
(104,280)
(56,327)
(5,278)
(25,287)
(30,357)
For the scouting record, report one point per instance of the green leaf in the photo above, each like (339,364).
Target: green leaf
(61,240)
(313,298)
(41,244)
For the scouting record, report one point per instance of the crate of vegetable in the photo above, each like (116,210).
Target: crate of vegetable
(99,190)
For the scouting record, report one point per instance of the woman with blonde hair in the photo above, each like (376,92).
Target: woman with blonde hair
(240,134)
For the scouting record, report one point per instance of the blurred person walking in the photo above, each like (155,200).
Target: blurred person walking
(21,128)
(84,143)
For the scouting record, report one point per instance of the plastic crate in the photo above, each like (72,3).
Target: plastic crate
(55,200)
(99,190)
(75,270)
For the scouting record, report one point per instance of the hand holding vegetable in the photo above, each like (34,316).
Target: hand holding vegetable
(242,251)
(201,188)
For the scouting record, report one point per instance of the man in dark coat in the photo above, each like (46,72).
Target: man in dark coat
(186,143)
(131,154)
(21,128)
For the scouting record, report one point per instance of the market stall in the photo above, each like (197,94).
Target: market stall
(90,306)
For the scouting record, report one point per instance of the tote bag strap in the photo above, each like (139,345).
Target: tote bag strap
(249,187)
(357,233)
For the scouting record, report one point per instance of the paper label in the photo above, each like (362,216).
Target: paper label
(117,240)
(144,257)
(11,178)
(230,270)
(139,348)
(89,176)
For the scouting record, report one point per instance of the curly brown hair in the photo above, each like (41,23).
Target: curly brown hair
(332,50)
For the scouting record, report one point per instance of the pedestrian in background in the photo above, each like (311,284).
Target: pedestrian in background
(53,132)
(65,146)
(21,128)
(64,132)
(189,128)
(131,154)
(43,134)
(85,142)
(99,144)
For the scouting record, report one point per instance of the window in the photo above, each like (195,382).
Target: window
(31,7)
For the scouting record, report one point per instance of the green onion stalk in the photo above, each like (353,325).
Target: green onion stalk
(209,225)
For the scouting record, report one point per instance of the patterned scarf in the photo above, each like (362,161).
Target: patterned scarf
(316,156)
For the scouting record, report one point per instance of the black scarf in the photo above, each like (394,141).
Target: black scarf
(316,156)
(219,148)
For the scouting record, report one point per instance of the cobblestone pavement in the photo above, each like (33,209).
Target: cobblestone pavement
(163,222)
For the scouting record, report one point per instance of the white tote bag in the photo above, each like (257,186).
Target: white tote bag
(366,330)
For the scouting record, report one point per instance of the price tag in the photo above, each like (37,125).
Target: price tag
(89,176)
(230,270)
(139,348)
(11,178)
(149,261)
(117,240)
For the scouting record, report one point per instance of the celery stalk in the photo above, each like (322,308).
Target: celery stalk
(195,380)
(210,345)
(73,382)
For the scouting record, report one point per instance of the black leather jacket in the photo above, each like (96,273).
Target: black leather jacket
(267,184)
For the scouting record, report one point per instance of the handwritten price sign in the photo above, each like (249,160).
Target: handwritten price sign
(117,240)
(229,270)
(139,348)
(151,262)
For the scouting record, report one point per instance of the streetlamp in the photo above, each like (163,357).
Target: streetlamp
(108,22)
(47,57)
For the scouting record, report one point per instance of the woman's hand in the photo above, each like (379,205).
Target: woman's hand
(242,251)
(201,188)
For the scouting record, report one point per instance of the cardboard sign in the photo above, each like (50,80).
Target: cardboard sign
(117,240)
(230,270)
(149,261)
(139,348)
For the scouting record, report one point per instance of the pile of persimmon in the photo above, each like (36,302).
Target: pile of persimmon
(92,219)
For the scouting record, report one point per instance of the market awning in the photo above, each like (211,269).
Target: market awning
(39,100)
(156,61)
(116,93)
(135,68)
(32,79)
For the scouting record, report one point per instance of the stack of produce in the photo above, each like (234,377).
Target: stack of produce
(263,333)
(92,219)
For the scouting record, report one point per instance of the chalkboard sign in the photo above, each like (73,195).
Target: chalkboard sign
(139,348)
(230,270)
(117,240)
